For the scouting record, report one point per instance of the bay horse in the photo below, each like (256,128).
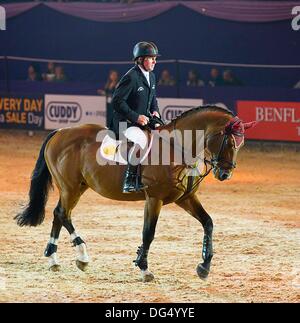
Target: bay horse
(68,156)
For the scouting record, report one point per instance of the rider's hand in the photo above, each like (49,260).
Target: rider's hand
(142,120)
(155,114)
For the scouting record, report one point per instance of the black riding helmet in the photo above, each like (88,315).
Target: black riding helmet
(144,48)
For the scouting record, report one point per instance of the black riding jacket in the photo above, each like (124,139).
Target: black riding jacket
(133,96)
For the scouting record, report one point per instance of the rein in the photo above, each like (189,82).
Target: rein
(191,185)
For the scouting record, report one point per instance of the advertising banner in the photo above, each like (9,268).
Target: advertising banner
(69,110)
(276,120)
(170,108)
(22,111)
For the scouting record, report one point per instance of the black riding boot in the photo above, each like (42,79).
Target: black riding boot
(132,182)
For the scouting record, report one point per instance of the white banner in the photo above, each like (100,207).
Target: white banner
(63,111)
(170,108)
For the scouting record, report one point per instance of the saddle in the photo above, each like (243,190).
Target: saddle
(116,150)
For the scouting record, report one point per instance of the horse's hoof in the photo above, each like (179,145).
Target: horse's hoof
(147,276)
(54,268)
(82,265)
(202,272)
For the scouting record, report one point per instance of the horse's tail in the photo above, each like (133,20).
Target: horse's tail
(41,181)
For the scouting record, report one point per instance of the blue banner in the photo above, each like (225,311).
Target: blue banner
(22,111)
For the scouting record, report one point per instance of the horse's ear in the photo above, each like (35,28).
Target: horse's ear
(249,125)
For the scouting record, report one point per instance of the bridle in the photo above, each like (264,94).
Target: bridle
(216,161)
(230,131)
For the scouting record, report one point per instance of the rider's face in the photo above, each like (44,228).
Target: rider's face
(149,63)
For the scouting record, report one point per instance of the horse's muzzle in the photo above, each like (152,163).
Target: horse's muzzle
(222,174)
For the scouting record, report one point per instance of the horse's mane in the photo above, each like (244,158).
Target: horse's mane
(204,108)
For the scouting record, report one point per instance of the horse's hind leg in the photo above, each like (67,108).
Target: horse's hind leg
(51,249)
(68,201)
(62,217)
(151,213)
(194,207)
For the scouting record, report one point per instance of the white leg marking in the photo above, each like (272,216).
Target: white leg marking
(53,260)
(53,241)
(82,253)
(74,235)
(81,249)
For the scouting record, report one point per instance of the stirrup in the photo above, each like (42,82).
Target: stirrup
(132,184)
(133,188)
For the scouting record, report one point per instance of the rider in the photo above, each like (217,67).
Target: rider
(134,100)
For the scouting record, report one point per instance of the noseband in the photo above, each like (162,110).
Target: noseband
(217,160)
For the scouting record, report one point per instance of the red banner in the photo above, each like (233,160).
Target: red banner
(276,120)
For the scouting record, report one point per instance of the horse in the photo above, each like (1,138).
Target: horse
(68,157)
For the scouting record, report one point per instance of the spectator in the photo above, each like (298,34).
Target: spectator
(194,79)
(166,79)
(215,78)
(34,73)
(59,74)
(109,88)
(229,79)
(49,75)
(110,85)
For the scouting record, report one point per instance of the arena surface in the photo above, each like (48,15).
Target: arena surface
(256,238)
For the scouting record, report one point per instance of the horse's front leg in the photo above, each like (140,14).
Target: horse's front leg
(194,207)
(151,213)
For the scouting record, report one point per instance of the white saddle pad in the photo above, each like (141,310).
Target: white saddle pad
(136,135)
(110,148)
